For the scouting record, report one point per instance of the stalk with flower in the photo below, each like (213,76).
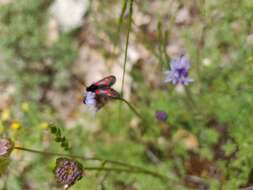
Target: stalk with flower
(68,170)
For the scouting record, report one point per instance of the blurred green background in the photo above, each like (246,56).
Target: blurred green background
(206,142)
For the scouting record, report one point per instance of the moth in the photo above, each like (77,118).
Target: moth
(100,92)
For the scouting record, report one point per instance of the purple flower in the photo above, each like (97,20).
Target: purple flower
(68,171)
(178,73)
(161,115)
(95,102)
(90,99)
(91,102)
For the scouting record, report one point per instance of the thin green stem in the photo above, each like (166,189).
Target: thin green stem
(160,48)
(132,108)
(200,46)
(144,171)
(190,97)
(130,169)
(145,122)
(46,153)
(193,106)
(202,36)
(163,39)
(123,10)
(127,42)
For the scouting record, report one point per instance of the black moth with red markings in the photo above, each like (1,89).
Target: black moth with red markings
(103,87)
(99,93)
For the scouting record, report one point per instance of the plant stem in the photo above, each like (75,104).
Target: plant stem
(192,104)
(45,153)
(123,10)
(202,36)
(127,42)
(131,168)
(132,108)
(154,174)
(190,97)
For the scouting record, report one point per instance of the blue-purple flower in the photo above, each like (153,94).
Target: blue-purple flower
(95,102)
(178,73)
(90,101)
(161,115)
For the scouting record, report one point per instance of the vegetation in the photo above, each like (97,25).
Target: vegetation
(205,140)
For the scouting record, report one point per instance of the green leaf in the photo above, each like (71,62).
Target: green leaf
(53,130)
(58,139)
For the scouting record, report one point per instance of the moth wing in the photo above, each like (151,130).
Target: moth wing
(107,81)
(108,92)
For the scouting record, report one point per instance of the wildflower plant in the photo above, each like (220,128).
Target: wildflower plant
(204,143)
(179,71)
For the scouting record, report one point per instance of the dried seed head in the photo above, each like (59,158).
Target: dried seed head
(67,172)
(6,147)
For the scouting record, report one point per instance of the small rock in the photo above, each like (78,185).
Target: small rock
(188,139)
(180,89)
(4,2)
(206,62)
(90,65)
(69,13)
(140,18)
(183,16)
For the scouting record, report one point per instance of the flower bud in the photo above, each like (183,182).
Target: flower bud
(161,116)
